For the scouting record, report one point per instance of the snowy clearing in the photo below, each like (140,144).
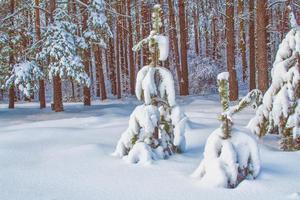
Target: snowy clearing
(46,155)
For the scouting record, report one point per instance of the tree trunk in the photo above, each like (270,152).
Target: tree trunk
(145,29)
(131,60)
(112,67)
(174,43)
(118,47)
(11,92)
(57,91)
(86,57)
(183,47)
(233,84)
(100,75)
(252,72)
(242,38)
(42,95)
(196,33)
(261,44)
(138,37)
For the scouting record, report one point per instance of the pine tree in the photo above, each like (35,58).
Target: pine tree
(61,48)
(278,113)
(230,155)
(156,128)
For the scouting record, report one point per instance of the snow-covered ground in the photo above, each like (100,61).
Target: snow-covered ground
(67,156)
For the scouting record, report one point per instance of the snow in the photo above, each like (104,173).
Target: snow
(46,155)
(223,76)
(163,46)
(228,158)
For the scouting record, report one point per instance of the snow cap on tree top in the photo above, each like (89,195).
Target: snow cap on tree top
(223,76)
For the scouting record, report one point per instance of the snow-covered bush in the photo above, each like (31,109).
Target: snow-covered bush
(278,112)
(156,128)
(231,155)
(25,76)
(203,73)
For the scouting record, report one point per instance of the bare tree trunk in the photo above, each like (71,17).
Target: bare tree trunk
(242,38)
(138,37)
(118,47)
(86,57)
(183,47)
(131,60)
(146,28)
(100,75)
(252,71)
(57,91)
(42,95)
(261,44)
(233,84)
(196,33)
(11,92)
(112,67)
(174,43)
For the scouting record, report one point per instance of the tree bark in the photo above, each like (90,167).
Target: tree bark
(233,84)
(86,57)
(183,47)
(145,29)
(196,32)
(42,95)
(57,91)
(261,44)
(100,75)
(131,60)
(252,71)
(242,38)
(11,92)
(174,43)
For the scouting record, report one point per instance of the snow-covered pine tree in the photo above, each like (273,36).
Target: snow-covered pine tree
(25,75)
(98,31)
(61,49)
(230,155)
(157,127)
(280,109)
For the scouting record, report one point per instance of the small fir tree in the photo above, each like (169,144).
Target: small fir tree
(156,128)
(278,113)
(230,155)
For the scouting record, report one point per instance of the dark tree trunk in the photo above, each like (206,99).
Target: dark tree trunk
(183,47)
(261,44)
(42,95)
(233,84)
(252,71)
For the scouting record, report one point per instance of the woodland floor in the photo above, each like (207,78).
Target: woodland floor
(67,156)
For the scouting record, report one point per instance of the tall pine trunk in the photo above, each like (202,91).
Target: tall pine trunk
(261,44)
(233,84)
(242,38)
(42,95)
(57,90)
(130,43)
(86,56)
(11,92)
(174,43)
(99,69)
(252,71)
(183,48)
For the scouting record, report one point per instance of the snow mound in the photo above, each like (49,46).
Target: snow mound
(141,153)
(295,196)
(142,123)
(228,162)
